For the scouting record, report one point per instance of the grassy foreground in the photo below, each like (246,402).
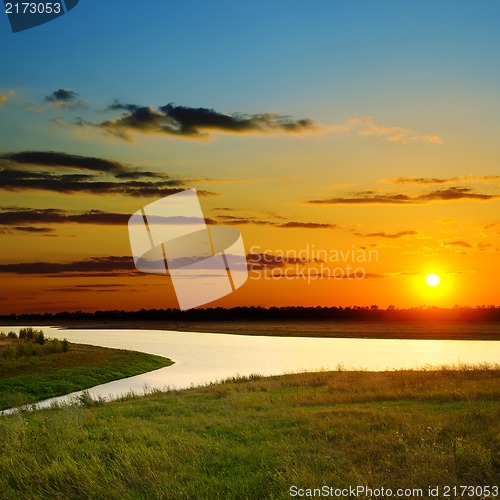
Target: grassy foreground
(36,376)
(254,438)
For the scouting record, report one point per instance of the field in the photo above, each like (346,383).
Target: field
(33,375)
(255,438)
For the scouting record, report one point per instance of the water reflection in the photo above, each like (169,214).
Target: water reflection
(202,358)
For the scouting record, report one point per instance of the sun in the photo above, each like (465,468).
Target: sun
(432,280)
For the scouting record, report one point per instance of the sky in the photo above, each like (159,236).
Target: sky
(353,144)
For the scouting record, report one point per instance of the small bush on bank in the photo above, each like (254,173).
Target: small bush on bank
(33,343)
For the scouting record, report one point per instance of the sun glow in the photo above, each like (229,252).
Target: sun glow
(432,280)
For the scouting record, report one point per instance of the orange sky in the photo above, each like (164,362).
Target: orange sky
(387,145)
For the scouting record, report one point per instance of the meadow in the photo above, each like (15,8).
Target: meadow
(33,368)
(255,438)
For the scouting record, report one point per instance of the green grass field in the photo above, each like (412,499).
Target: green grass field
(255,438)
(31,378)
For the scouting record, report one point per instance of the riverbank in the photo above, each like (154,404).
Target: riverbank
(257,437)
(30,378)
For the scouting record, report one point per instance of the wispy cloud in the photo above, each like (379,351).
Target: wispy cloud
(444,180)
(5,96)
(462,246)
(366,126)
(383,234)
(454,193)
(271,220)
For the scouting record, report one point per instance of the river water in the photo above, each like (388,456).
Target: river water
(202,358)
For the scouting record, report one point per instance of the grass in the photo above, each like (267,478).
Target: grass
(40,375)
(253,438)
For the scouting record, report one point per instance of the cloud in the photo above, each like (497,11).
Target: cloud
(57,160)
(454,193)
(315,275)
(366,126)
(9,217)
(55,171)
(466,247)
(91,265)
(5,96)
(14,180)
(308,225)
(449,180)
(458,243)
(195,123)
(26,229)
(274,220)
(198,123)
(65,98)
(383,234)
(263,261)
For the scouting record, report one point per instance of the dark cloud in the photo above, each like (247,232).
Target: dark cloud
(62,95)
(195,122)
(26,229)
(371,198)
(43,181)
(458,243)
(308,225)
(65,98)
(232,220)
(55,216)
(383,234)
(455,193)
(63,160)
(91,265)
(446,180)
(52,171)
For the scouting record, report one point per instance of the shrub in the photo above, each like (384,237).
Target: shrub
(30,334)
(33,343)
(12,335)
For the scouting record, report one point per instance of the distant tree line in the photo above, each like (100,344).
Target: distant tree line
(255,313)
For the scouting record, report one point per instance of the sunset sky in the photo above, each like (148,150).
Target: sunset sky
(321,126)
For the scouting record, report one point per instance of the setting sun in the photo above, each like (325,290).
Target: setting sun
(432,280)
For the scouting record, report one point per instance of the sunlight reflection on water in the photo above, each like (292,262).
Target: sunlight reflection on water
(201,358)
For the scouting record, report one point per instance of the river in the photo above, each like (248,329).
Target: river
(202,358)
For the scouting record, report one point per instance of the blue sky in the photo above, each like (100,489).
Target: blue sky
(357,56)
